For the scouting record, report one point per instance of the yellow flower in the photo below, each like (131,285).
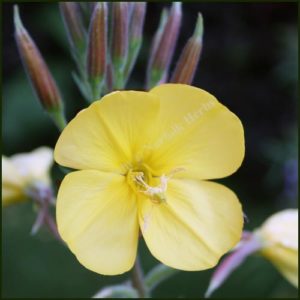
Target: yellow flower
(22,170)
(143,160)
(279,235)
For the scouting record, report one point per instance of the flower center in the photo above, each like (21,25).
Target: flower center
(142,182)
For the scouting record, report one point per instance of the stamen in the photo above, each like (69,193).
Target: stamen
(174,171)
(139,181)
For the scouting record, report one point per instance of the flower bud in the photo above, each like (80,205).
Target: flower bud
(23,171)
(279,235)
(155,43)
(130,6)
(73,22)
(189,58)
(135,34)
(38,73)
(97,48)
(119,47)
(160,63)
(26,176)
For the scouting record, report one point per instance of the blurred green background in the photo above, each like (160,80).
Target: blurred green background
(249,62)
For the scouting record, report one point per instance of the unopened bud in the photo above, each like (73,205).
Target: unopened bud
(280,237)
(97,48)
(39,75)
(92,6)
(189,58)
(135,34)
(137,20)
(155,44)
(158,70)
(130,9)
(119,47)
(73,22)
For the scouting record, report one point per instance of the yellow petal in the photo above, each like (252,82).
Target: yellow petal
(109,134)
(196,132)
(97,217)
(199,222)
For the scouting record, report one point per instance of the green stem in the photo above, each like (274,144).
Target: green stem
(96,85)
(42,195)
(119,80)
(58,118)
(132,56)
(137,279)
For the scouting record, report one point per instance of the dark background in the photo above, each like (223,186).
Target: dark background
(249,62)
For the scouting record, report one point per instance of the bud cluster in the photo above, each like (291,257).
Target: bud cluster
(105,39)
(114,40)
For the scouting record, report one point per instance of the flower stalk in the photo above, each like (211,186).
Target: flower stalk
(38,73)
(137,279)
(42,196)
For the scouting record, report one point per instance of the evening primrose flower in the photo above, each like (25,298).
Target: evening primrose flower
(279,235)
(143,161)
(22,171)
